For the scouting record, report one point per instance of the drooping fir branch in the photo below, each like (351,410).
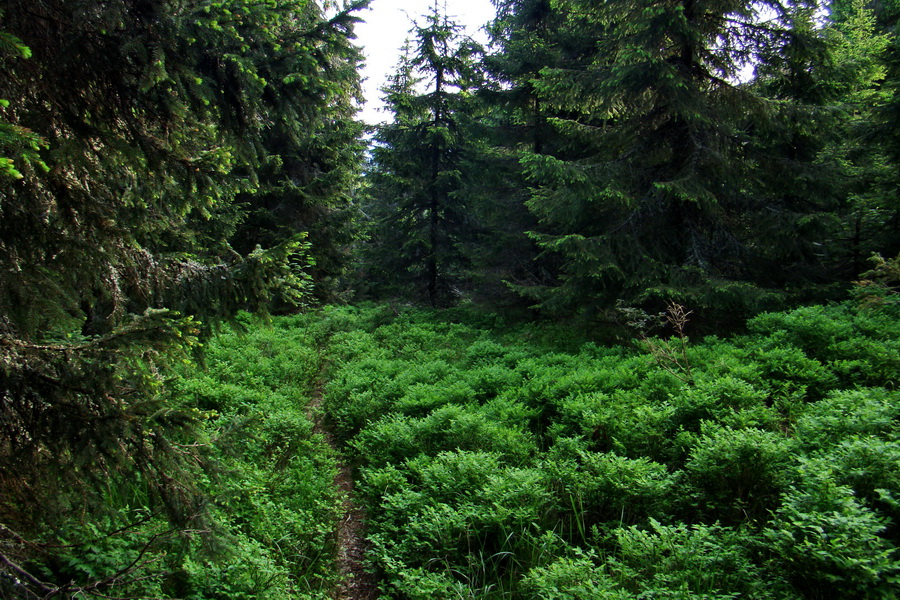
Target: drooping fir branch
(669,175)
(153,125)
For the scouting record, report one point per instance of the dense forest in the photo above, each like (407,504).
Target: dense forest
(607,309)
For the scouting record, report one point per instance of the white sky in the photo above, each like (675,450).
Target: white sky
(387,24)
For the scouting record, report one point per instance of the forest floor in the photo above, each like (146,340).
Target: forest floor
(355,582)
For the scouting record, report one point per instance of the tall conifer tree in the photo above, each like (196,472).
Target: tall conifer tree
(128,131)
(314,151)
(870,143)
(653,189)
(423,219)
(526,36)
(860,85)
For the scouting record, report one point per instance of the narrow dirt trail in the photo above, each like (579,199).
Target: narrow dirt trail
(356,583)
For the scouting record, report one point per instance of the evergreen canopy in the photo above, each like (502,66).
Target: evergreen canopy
(130,131)
(655,186)
(419,163)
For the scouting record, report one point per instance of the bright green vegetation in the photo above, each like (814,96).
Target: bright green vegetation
(271,479)
(264,530)
(507,460)
(496,465)
(170,167)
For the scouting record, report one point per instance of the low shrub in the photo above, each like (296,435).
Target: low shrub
(830,545)
(603,488)
(737,475)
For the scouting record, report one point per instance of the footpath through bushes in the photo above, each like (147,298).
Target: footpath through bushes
(501,460)
(496,465)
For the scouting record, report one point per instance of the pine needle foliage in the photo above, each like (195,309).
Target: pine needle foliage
(419,164)
(132,132)
(658,185)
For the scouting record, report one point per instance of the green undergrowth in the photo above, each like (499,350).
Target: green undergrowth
(266,505)
(502,461)
(272,489)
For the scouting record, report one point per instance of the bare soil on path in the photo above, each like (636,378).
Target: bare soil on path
(351,546)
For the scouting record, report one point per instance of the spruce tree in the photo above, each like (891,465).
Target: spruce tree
(417,171)
(654,189)
(314,152)
(526,36)
(871,142)
(859,144)
(129,131)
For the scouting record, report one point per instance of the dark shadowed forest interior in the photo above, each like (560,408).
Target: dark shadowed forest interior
(607,309)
